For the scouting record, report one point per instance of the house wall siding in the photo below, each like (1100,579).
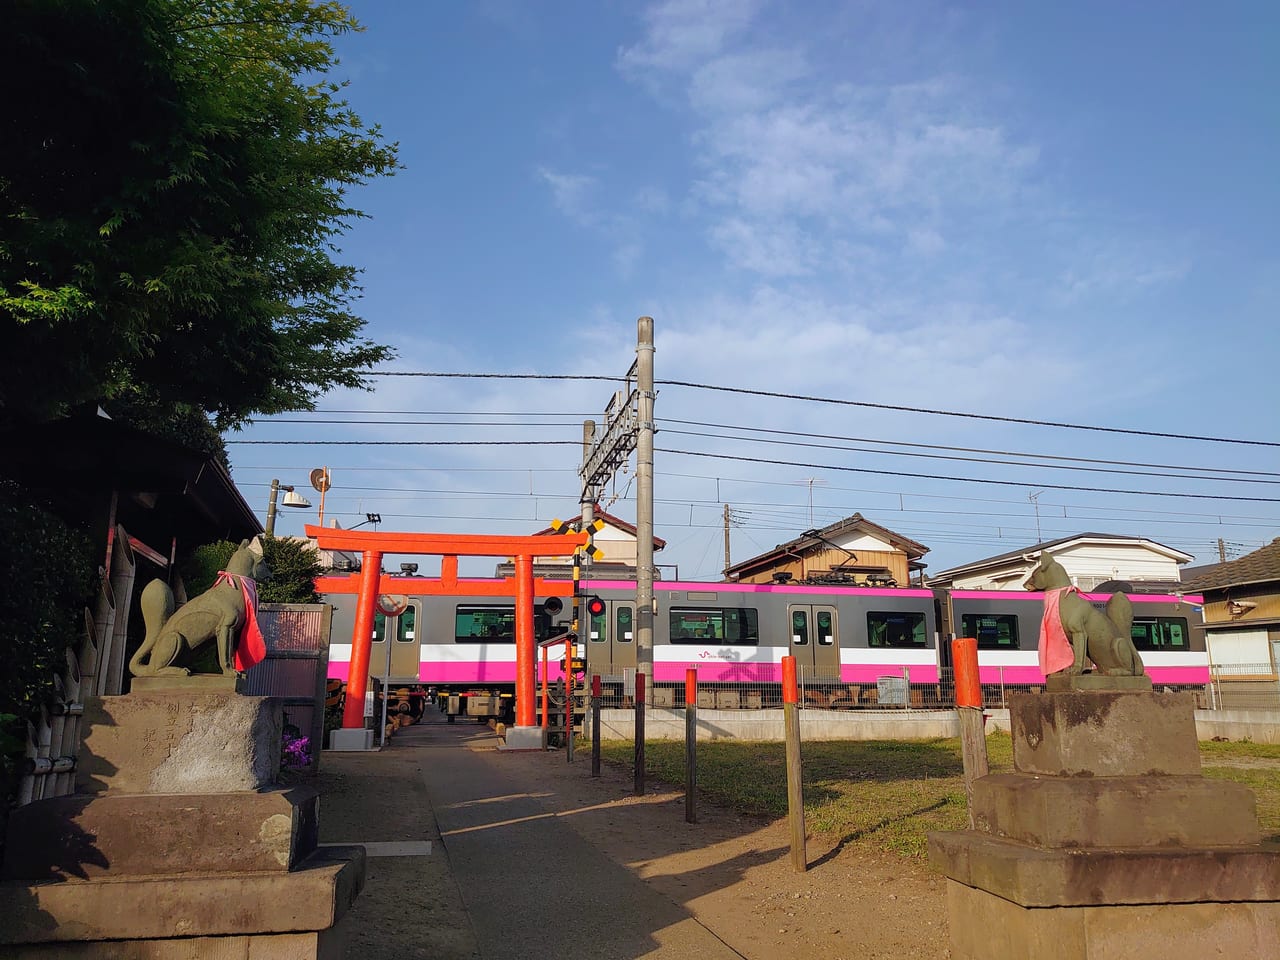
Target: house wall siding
(1086,564)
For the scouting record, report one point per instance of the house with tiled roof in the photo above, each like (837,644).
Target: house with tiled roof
(850,551)
(1093,561)
(617,541)
(1242,613)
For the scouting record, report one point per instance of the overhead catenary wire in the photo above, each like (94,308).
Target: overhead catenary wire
(901,408)
(664,421)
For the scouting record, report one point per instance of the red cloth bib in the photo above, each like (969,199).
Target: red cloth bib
(1056,651)
(251,648)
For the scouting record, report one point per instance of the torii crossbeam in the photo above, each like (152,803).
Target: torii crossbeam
(374,544)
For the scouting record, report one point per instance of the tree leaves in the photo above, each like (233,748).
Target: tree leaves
(169,200)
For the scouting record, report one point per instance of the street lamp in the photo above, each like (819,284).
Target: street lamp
(291,499)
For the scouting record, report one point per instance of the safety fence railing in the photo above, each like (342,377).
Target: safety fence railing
(893,687)
(1243,686)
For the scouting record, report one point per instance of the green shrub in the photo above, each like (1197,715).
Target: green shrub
(294,568)
(200,567)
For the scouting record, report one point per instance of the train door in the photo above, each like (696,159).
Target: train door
(611,640)
(814,640)
(395,652)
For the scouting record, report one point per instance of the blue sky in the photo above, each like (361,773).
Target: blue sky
(1059,212)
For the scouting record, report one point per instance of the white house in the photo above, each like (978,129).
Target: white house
(1090,559)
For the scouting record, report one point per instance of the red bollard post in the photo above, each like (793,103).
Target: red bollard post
(597,692)
(973,740)
(691,746)
(795,787)
(639,732)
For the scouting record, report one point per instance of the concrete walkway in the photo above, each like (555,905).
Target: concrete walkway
(465,862)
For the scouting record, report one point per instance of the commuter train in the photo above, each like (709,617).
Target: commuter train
(738,633)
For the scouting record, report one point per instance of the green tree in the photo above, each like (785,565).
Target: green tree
(294,568)
(172,188)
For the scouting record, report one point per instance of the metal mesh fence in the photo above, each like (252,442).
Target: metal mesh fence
(1243,686)
(827,690)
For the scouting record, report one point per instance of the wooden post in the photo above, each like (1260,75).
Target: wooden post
(597,691)
(639,733)
(795,788)
(973,740)
(691,746)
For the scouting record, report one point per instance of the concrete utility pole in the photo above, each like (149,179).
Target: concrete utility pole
(644,497)
(726,539)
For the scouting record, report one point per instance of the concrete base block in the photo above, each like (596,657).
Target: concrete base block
(1038,877)
(318,945)
(139,834)
(1116,811)
(524,738)
(986,927)
(179,742)
(1104,734)
(1093,682)
(351,739)
(310,899)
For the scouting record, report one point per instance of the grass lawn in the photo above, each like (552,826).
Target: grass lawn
(892,793)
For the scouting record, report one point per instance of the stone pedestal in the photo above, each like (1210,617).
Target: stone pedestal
(1106,842)
(179,846)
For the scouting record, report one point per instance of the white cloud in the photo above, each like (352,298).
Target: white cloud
(572,194)
(684,33)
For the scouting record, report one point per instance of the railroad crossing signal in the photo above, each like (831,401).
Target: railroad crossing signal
(595,606)
(588,549)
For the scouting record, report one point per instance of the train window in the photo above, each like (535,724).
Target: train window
(1161,633)
(738,626)
(408,620)
(625,633)
(477,624)
(595,628)
(379,627)
(895,630)
(993,631)
(826,628)
(799,628)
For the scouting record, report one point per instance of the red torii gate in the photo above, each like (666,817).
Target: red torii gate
(373,544)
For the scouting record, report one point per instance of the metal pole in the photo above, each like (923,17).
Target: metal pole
(644,498)
(271,509)
(581,559)
(387,640)
(596,695)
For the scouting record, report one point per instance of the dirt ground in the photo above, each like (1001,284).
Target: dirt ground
(732,874)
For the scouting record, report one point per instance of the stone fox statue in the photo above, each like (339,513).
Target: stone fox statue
(1105,639)
(219,614)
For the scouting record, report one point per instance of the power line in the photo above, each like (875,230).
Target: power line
(987,460)
(931,476)
(831,400)
(366,421)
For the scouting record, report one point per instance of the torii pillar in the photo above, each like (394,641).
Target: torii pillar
(372,545)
